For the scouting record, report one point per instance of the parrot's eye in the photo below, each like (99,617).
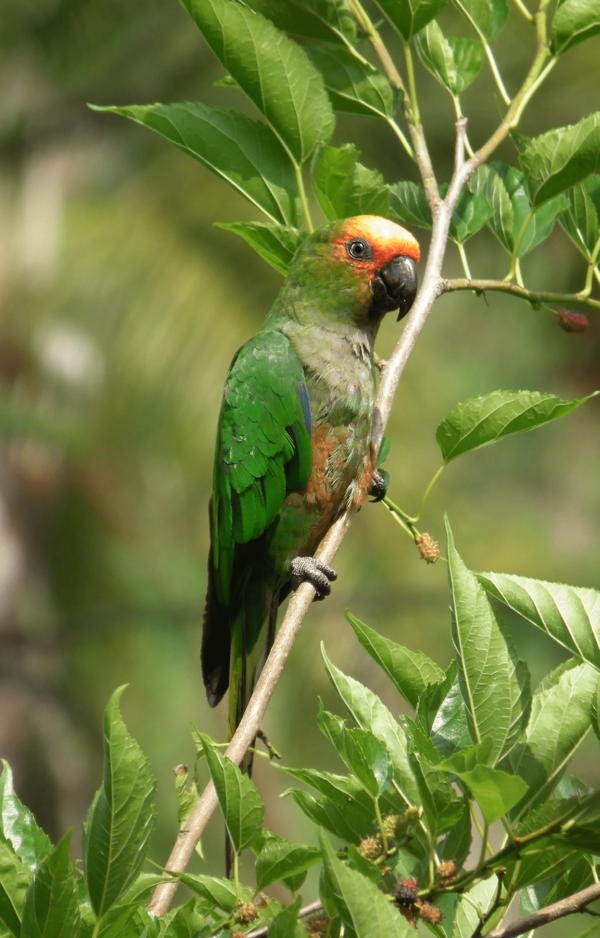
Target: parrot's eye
(359,249)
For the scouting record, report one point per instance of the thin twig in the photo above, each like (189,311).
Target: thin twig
(504,286)
(303,913)
(574,903)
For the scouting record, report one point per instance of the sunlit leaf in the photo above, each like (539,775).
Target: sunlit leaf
(469,911)
(218,892)
(488,16)
(51,908)
(408,203)
(364,910)
(506,190)
(574,21)
(275,243)
(343,187)
(239,799)
(121,819)
(286,924)
(471,213)
(352,85)
(370,713)
(560,719)
(495,685)
(454,60)
(568,614)
(325,20)
(480,421)
(14,880)
(409,16)
(581,221)
(410,671)
(243,152)
(18,826)
(271,69)
(349,822)
(279,859)
(441,713)
(560,158)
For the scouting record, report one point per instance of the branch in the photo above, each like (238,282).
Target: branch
(532,296)
(303,913)
(574,903)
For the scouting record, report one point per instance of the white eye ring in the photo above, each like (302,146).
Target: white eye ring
(359,249)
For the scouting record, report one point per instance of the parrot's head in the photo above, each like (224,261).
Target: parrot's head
(356,270)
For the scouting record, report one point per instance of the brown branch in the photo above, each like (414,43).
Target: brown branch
(575,903)
(505,286)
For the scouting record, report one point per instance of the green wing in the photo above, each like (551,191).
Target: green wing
(263,447)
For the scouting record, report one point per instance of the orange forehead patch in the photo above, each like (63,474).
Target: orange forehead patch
(385,238)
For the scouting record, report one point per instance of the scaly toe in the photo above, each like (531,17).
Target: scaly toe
(318,574)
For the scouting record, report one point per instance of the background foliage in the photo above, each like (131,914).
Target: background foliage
(119,316)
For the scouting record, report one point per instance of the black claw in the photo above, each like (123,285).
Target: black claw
(378,488)
(318,574)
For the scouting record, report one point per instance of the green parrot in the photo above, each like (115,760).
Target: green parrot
(293,443)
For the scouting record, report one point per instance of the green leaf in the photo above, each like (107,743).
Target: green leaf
(495,791)
(354,86)
(348,822)
(495,685)
(286,924)
(441,713)
(18,826)
(361,752)
(561,158)
(325,20)
(382,455)
(243,152)
(456,845)
(276,244)
(480,421)
(467,917)
(410,671)
(410,16)
(568,614)
(555,888)
(121,818)
(486,16)
(560,719)
(370,713)
(280,859)
(470,215)
(51,908)
(187,921)
(343,187)
(274,72)
(441,805)
(505,188)
(574,21)
(581,220)
(454,60)
(14,880)
(218,892)
(360,904)
(408,203)
(238,797)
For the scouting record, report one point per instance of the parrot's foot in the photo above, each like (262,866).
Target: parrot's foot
(318,574)
(378,487)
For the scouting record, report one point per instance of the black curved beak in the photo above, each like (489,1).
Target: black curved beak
(395,286)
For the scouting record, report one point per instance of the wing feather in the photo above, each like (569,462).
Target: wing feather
(263,447)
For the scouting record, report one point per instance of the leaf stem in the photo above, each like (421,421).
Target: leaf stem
(392,123)
(384,840)
(515,253)
(412,88)
(434,479)
(303,199)
(401,518)
(523,9)
(489,55)
(532,90)
(236,874)
(590,271)
(463,258)
(484,846)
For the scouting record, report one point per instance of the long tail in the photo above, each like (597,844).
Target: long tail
(246,663)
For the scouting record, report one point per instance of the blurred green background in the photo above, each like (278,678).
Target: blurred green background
(120,309)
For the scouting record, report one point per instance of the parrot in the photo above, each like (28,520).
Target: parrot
(293,448)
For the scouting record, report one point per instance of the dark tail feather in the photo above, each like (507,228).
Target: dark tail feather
(247,683)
